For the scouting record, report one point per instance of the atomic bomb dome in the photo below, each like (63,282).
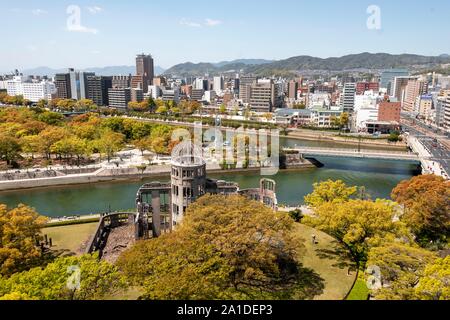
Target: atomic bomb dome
(187,154)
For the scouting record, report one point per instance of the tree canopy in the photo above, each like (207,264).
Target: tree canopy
(67,278)
(426,202)
(227,247)
(19,228)
(329,191)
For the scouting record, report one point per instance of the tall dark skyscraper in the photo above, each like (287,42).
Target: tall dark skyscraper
(145,68)
(63,88)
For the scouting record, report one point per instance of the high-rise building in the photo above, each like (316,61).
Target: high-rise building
(137,82)
(201,84)
(154,91)
(293,89)
(444,113)
(78,83)
(425,106)
(414,89)
(159,81)
(263,96)
(197,94)
(119,97)
(97,89)
(398,87)
(121,81)
(389,111)
(171,95)
(218,84)
(137,95)
(362,87)
(348,97)
(245,85)
(145,68)
(63,88)
(388,76)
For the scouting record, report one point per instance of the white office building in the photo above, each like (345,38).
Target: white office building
(30,89)
(154,92)
(209,96)
(218,84)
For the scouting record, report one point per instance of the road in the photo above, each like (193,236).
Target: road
(435,141)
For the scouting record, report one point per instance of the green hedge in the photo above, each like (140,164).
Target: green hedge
(71,222)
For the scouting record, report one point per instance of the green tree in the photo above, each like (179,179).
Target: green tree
(329,191)
(85,105)
(19,228)
(359,224)
(48,137)
(296,215)
(9,148)
(143,144)
(227,247)
(162,110)
(51,118)
(435,282)
(97,279)
(401,267)
(110,143)
(42,103)
(30,144)
(426,203)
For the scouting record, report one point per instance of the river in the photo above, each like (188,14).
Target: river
(379,178)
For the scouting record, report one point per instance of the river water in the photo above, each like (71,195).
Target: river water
(378,177)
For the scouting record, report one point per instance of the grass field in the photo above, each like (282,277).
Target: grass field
(359,291)
(326,263)
(330,261)
(70,238)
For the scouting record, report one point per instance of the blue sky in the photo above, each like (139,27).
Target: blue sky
(35,33)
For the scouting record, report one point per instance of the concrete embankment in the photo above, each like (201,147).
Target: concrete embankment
(343,140)
(120,174)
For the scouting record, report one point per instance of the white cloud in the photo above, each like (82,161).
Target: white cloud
(212,22)
(188,23)
(79,28)
(95,52)
(95,9)
(39,12)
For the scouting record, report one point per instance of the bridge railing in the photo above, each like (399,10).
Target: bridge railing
(348,150)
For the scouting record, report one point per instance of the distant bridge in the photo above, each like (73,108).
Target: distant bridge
(354,153)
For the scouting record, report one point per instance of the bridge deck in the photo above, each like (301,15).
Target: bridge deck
(371,154)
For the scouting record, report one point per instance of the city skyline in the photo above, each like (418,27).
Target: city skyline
(112,33)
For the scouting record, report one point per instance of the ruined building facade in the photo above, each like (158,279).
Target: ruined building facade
(162,206)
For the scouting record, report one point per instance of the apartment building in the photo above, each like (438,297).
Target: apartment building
(32,90)
(119,97)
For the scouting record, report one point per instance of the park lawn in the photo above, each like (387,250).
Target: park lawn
(330,260)
(359,291)
(70,238)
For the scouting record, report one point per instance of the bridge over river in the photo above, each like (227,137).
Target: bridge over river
(354,153)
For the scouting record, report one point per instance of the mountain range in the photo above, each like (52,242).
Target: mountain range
(287,67)
(105,71)
(362,61)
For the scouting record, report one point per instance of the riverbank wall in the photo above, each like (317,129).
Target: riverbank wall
(125,174)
